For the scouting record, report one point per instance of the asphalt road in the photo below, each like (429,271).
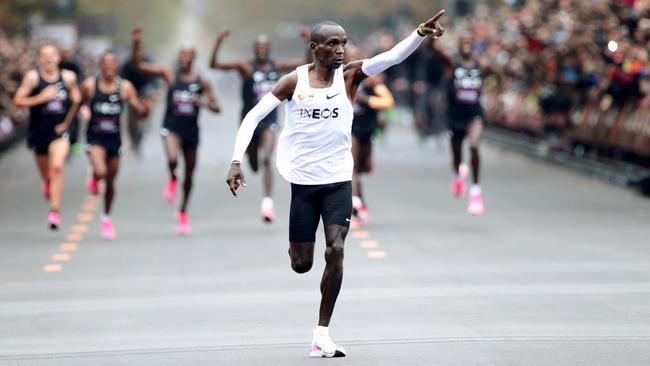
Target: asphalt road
(557,271)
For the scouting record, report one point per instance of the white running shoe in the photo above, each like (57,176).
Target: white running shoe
(323,347)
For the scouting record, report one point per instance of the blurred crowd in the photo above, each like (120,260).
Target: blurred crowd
(16,57)
(549,62)
(554,55)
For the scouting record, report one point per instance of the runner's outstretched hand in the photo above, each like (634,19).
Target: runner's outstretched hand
(235,178)
(432,27)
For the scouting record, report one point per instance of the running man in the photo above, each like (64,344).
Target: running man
(105,96)
(314,153)
(180,131)
(145,85)
(373,96)
(52,95)
(258,75)
(466,120)
(68,62)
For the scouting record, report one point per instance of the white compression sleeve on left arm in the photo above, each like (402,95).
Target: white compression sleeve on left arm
(265,106)
(393,56)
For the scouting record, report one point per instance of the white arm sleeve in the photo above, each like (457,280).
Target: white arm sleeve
(265,106)
(394,56)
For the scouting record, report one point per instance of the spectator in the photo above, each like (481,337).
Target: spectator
(16,55)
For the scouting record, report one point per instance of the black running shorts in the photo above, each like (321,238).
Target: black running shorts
(189,138)
(332,202)
(111,143)
(459,127)
(461,117)
(363,133)
(40,142)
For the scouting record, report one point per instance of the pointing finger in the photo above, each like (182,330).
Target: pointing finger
(437,16)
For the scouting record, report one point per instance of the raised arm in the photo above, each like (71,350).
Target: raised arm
(29,82)
(286,65)
(70,81)
(87,89)
(383,98)
(242,66)
(446,59)
(146,67)
(282,90)
(357,71)
(129,94)
(211,99)
(290,65)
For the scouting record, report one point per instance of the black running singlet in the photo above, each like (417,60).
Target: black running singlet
(261,82)
(105,112)
(464,91)
(363,114)
(44,117)
(182,112)
(365,118)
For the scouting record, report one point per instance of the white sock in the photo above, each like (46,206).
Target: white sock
(267,202)
(105,217)
(463,169)
(475,189)
(321,331)
(356,201)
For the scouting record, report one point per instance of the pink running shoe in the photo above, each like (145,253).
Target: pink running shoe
(93,186)
(46,191)
(183,227)
(268,214)
(54,220)
(170,192)
(476,204)
(268,210)
(362,215)
(108,231)
(458,187)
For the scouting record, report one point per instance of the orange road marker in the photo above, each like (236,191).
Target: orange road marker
(361,234)
(68,247)
(376,254)
(52,268)
(85,217)
(369,244)
(79,228)
(74,237)
(61,257)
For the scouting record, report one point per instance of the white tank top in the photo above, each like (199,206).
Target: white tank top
(315,143)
